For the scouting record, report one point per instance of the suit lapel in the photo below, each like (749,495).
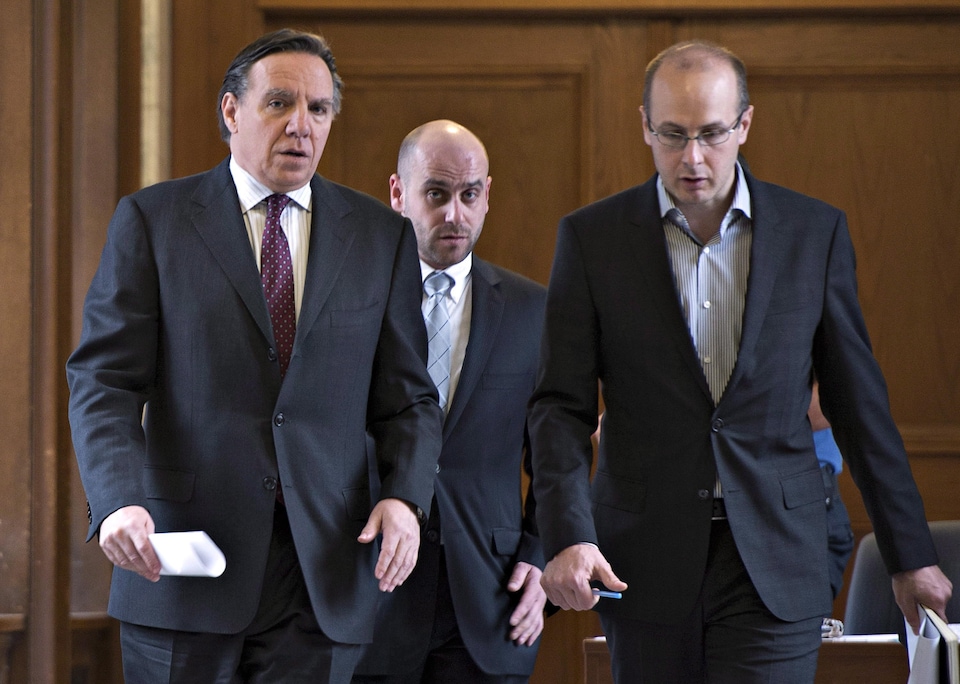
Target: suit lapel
(330,240)
(767,253)
(645,235)
(219,222)
(487,312)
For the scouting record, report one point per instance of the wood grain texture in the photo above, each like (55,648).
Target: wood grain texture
(857,103)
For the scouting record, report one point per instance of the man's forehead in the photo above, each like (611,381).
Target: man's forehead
(274,70)
(444,179)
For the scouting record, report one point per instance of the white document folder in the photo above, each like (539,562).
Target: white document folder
(934,653)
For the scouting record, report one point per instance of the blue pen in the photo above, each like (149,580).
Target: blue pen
(607,594)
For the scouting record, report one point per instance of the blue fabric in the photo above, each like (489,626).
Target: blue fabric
(827,449)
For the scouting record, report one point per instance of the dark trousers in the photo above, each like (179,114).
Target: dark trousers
(729,638)
(448,661)
(282,644)
(839,534)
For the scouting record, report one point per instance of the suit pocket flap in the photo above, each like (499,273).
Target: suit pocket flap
(619,492)
(357,501)
(506,541)
(168,484)
(805,488)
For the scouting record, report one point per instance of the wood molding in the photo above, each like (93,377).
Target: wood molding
(634,7)
(12,622)
(47,627)
(931,440)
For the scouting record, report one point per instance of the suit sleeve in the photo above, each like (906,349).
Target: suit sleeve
(854,398)
(531,550)
(563,408)
(111,373)
(404,417)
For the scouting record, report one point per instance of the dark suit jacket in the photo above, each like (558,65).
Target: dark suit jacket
(486,530)
(613,314)
(176,320)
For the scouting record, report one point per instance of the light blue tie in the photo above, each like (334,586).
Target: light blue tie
(437,285)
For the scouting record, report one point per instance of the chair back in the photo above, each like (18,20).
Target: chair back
(871,608)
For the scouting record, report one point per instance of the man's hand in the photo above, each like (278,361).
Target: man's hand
(124,538)
(527,619)
(400,547)
(928,586)
(566,579)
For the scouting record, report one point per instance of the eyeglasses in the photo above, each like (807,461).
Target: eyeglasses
(708,138)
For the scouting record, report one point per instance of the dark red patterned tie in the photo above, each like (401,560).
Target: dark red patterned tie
(276,272)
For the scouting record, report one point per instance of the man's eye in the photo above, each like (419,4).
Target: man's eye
(673,137)
(712,135)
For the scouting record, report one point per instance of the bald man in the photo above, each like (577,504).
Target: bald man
(472,610)
(701,304)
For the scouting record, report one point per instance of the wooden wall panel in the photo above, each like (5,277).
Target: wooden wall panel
(857,103)
(502,108)
(840,110)
(534,94)
(15,281)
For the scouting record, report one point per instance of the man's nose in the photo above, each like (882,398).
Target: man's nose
(455,212)
(299,122)
(693,153)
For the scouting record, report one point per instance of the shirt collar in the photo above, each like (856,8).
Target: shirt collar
(741,199)
(459,272)
(252,192)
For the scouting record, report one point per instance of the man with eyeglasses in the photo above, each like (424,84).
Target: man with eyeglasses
(702,303)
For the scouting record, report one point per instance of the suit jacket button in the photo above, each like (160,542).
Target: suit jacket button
(269,483)
(704,494)
(272,354)
(438,468)
(717,425)
(433,536)
(278,419)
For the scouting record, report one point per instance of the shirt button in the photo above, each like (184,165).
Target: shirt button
(278,420)
(269,483)
(707,359)
(706,305)
(706,250)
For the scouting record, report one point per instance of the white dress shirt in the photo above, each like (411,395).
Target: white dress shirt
(295,222)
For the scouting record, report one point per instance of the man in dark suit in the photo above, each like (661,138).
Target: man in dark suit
(259,345)
(472,610)
(702,302)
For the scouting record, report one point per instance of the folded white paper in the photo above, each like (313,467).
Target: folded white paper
(188,554)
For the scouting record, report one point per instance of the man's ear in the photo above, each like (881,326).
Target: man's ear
(745,120)
(228,107)
(396,193)
(645,125)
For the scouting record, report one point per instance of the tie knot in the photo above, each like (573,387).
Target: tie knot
(275,205)
(437,282)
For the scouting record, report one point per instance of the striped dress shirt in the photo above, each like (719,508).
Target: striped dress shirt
(711,282)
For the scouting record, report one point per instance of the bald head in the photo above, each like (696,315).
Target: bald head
(442,186)
(434,135)
(696,56)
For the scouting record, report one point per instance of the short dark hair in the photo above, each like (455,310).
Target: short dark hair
(285,40)
(693,54)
